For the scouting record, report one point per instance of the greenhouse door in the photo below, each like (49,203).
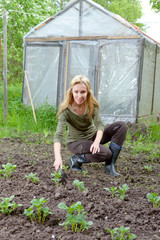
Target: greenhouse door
(82,57)
(118,79)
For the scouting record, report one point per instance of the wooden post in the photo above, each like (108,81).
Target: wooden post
(5,64)
(29,92)
(0,59)
(66,73)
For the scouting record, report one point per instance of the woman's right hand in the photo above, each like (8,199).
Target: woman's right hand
(58,164)
(58,159)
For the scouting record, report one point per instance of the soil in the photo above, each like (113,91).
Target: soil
(135,211)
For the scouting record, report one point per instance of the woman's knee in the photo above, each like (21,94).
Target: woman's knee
(123,125)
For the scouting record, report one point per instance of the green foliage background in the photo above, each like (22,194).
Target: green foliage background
(22,16)
(155,5)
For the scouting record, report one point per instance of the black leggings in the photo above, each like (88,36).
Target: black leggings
(115,132)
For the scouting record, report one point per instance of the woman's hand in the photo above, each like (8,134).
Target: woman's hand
(58,159)
(95,147)
(57,164)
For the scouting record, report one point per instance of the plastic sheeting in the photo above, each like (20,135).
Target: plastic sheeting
(41,65)
(66,25)
(118,85)
(82,60)
(89,21)
(113,74)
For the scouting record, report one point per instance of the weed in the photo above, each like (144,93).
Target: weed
(80,185)
(76,221)
(154,198)
(7,170)
(121,233)
(42,212)
(32,177)
(6,206)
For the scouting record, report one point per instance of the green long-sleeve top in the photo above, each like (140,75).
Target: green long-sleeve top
(79,126)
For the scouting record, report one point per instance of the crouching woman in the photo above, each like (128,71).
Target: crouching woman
(86,134)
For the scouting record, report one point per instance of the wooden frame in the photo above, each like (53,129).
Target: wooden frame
(51,39)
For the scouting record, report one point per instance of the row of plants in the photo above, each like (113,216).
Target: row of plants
(120,192)
(7,208)
(75,216)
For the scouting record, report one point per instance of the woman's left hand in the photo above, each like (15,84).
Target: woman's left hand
(95,148)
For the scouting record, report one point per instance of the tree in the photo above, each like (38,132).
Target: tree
(22,16)
(131,10)
(155,5)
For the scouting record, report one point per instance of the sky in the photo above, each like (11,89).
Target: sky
(152,20)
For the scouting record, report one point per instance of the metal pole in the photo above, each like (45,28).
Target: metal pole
(5,63)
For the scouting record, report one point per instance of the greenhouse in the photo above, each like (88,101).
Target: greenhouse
(122,62)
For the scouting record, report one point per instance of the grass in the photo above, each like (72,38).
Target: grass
(20,120)
(20,123)
(146,144)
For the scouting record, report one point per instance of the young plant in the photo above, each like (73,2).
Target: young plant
(80,185)
(29,212)
(64,168)
(56,177)
(41,212)
(122,233)
(148,168)
(7,170)
(32,177)
(84,173)
(154,198)
(112,190)
(75,217)
(6,206)
(121,193)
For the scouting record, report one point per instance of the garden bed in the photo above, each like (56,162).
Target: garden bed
(135,211)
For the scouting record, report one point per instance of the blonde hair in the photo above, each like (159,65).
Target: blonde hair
(68,100)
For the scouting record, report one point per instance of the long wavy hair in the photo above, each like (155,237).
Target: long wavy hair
(91,101)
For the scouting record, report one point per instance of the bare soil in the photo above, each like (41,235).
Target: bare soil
(105,212)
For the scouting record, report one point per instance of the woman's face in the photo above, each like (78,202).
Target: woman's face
(79,92)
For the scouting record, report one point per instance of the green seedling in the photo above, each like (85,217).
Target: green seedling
(80,185)
(32,177)
(29,212)
(6,206)
(154,198)
(64,168)
(148,168)
(122,233)
(75,217)
(41,212)
(112,190)
(7,170)
(84,173)
(121,193)
(56,177)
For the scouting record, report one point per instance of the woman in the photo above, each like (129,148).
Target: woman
(86,132)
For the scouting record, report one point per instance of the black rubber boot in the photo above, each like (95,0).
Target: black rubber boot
(76,162)
(110,166)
